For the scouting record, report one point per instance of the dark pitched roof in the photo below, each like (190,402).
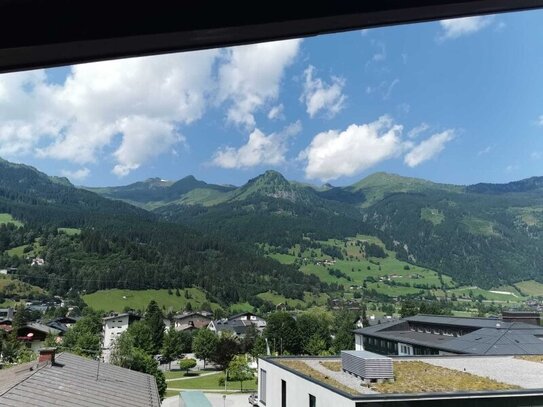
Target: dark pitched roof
(488,337)
(58,325)
(72,380)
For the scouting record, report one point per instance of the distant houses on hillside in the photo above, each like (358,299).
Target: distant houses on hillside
(237,324)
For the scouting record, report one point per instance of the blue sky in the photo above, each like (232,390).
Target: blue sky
(456,101)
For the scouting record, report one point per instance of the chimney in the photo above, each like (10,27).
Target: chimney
(47,355)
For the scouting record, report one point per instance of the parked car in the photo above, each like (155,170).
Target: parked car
(253,400)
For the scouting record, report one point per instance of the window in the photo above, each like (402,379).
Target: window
(312,401)
(262,386)
(283,393)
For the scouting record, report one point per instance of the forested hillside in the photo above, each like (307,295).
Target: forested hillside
(485,234)
(121,246)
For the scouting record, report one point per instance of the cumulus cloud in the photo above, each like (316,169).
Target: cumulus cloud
(139,100)
(276,112)
(321,96)
(260,149)
(136,106)
(143,138)
(459,27)
(335,153)
(77,175)
(428,148)
(251,75)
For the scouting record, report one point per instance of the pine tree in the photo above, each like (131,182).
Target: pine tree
(155,320)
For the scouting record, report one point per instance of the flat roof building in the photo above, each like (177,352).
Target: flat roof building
(427,381)
(441,335)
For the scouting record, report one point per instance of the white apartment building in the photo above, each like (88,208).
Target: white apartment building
(112,327)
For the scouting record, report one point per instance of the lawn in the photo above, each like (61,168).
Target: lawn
(211,382)
(6,218)
(420,377)
(117,300)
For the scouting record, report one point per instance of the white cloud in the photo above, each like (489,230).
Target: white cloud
(484,151)
(251,76)
(428,148)
(418,130)
(536,155)
(135,106)
(459,27)
(98,102)
(321,96)
(276,112)
(143,138)
(259,149)
(540,120)
(334,153)
(385,88)
(77,175)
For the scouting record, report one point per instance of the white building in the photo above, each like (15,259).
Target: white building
(112,327)
(285,382)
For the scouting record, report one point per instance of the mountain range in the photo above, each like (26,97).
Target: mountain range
(192,232)
(484,234)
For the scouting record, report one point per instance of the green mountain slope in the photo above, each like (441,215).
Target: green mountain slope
(156,192)
(122,246)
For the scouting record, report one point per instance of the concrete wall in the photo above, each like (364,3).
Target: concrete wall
(298,389)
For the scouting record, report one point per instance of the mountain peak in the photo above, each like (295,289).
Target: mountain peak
(274,185)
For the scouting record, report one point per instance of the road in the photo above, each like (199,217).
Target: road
(232,400)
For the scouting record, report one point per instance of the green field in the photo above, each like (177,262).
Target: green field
(10,286)
(480,226)
(117,300)
(433,215)
(391,276)
(6,218)
(464,292)
(19,250)
(210,382)
(530,287)
(274,298)
(70,231)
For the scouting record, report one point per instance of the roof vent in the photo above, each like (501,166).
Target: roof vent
(367,365)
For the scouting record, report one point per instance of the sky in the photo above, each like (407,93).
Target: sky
(456,101)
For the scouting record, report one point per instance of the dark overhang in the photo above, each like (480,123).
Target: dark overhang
(44,33)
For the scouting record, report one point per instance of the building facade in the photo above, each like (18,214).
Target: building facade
(283,386)
(112,327)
